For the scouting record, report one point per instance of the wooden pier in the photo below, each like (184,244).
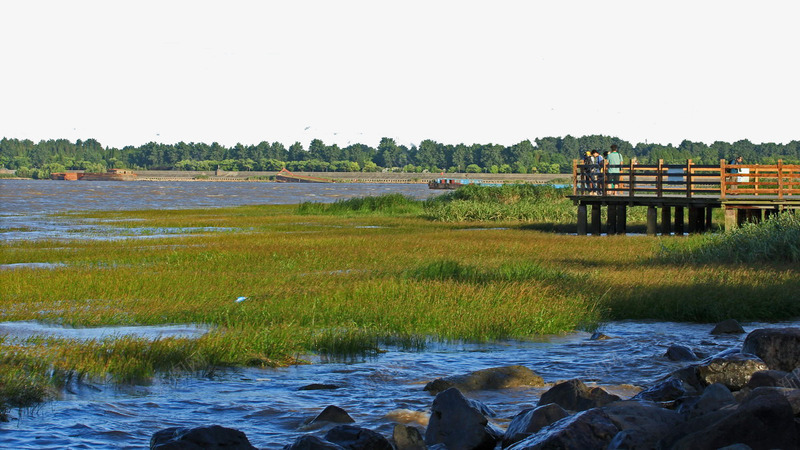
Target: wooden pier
(685,194)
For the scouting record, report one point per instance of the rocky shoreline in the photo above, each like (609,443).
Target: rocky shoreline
(747,397)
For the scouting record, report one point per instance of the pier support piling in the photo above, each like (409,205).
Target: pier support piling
(596,226)
(652,214)
(666,219)
(679,220)
(582,219)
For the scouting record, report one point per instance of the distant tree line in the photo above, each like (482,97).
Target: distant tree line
(543,155)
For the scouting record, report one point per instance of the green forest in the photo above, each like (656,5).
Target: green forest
(542,155)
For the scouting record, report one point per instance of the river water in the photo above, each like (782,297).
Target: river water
(267,404)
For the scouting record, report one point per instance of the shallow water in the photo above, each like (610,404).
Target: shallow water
(376,392)
(266,404)
(27,204)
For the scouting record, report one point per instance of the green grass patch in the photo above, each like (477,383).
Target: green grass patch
(387,204)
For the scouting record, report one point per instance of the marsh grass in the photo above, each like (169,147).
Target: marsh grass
(349,283)
(387,204)
(776,239)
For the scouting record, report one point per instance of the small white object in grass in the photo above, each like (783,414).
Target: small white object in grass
(240,299)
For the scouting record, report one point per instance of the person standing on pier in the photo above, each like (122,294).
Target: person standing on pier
(614,163)
(597,172)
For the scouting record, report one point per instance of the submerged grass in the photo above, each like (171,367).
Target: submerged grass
(348,279)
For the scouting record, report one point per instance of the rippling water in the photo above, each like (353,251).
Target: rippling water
(266,404)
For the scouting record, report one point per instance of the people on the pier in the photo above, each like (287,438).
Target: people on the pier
(737,161)
(587,184)
(614,163)
(597,171)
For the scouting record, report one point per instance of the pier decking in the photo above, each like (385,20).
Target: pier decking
(746,192)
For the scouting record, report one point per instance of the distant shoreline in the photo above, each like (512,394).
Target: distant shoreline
(338,177)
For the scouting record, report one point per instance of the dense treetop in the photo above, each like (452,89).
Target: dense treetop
(542,155)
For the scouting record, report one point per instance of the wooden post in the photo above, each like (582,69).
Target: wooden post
(622,219)
(666,219)
(730,219)
(596,219)
(723,182)
(660,178)
(679,220)
(780,179)
(612,218)
(581,219)
(689,182)
(709,216)
(692,220)
(652,214)
(575,179)
(631,179)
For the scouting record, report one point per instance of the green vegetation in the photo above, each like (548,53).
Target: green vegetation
(775,239)
(351,278)
(542,155)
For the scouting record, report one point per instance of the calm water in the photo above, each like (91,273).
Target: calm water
(266,404)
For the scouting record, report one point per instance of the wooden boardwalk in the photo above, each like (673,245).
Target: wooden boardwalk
(746,192)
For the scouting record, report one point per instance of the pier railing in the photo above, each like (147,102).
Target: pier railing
(689,180)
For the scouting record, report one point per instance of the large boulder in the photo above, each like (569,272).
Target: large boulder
(210,437)
(357,438)
(680,353)
(458,424)
(574,395)
(587,429)
(730,326)
(311,442)
(407,438)
(732,369)
(488,379)
(714,397)
(779,348)
(666,391)
(532,420)
(762,422)
(641,424)
(333,414)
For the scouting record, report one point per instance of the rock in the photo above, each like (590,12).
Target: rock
(456,423)
(311,442)
(714,397)
(779,348)
(318,387)
(680,353)
(357,438)
(486,379)
(333,414)
(641,424)
(576,396)
(730,326)
(791,395)
(585,430)
(666,391)
(764,378)
(598,336)
(532,420)
(763,421)
(731,369)
(407,438)
(209,437)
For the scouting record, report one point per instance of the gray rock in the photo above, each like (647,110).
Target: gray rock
(210,437)
(456,423)
(779,348)
(714,397)
(311,442)
(764,378)
(574,395)
(585,430)
(641,424)
(487,379)
(356,438)
(333,414)
(680,353)
(791,395)
(407,438)
(532,420)
(666,391)
(733,370)
(762,422)
(730,326)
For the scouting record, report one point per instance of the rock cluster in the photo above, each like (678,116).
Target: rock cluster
(741,398)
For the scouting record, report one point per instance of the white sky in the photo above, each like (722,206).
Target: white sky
(130,72)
